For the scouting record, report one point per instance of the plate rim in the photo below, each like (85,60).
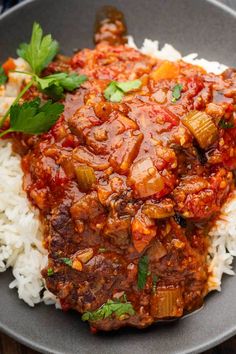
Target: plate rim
(216,3)
(43,349)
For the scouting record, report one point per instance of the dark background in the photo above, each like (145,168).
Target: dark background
(10,346)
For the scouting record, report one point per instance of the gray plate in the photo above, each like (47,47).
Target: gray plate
(192,26)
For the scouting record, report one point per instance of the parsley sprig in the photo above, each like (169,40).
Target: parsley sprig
(111,307)
(31,118)
(40,51)
(116,90)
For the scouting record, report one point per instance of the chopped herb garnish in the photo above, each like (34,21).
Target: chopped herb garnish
(72,81)
(116,90)
(226,124)
(128,86)
(3,76)
(67,261)
(40,51)
(32,117)
(54,85)
(50,272)
(176,92)
(102,250)
(155,279)
(142,271)
(111,307)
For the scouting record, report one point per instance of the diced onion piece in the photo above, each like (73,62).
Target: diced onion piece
(104,193)
(123,157)
(167,302)
(216,111)
(77,265)
(126,123)
(83,255)
(156,251)
(167,70)
(145,178)
(202,127)
(85,177)
(143,231)
(158,211)
(82,155)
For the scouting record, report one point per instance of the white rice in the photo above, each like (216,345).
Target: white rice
(223,244)
(20,234)
(168,52)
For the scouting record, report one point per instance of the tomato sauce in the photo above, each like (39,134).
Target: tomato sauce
(156,191)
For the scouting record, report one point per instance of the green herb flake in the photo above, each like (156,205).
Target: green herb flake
(116,90)
(111,307)
(67,261)
(226,124)
(50,272)
(176,92)
(3,76)
(40,51)
(142,271)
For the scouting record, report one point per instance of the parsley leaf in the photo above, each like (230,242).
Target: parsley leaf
(226,124)
(31,118)
(49,80)
(67,261)
(106,310)
(40,51)
(142,271)
(72,81)
(113,93)
(129,85)
(116,90)
(54,91)
(3,76)
(176,92)
(55,84)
